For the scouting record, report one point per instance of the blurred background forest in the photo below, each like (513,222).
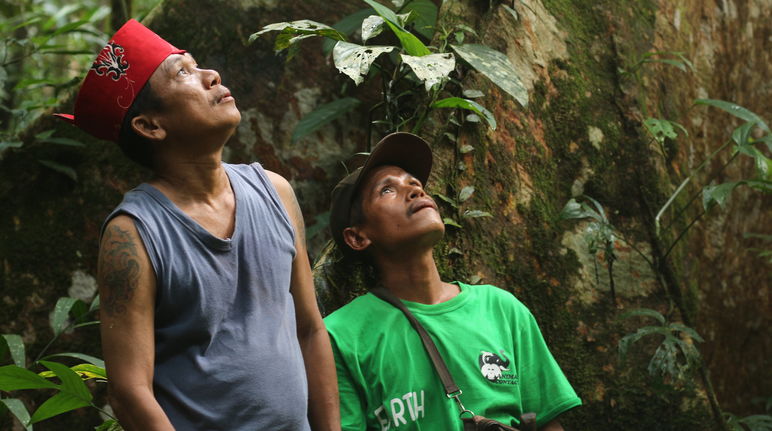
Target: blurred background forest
(608,162)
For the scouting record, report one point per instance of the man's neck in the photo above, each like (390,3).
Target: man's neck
(191,178)
(415,278)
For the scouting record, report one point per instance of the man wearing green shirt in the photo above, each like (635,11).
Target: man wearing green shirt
(489,340)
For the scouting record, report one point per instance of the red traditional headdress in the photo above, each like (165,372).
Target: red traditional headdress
(116,77)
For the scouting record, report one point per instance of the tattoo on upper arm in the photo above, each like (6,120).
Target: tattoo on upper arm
(297,214)
(118,270)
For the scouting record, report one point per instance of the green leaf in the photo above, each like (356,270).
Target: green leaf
(411,44)
(19,411)
(448,200)
(646,312)
(578,210)
(16,349)
(66,170)
(687,330)
(717,194)
(61,314)
(677,63)
(63,141)
(425,12)
(323,115)
(476,214)
(62,402)
(496,66)
(736,110)
(457,102)
(466,149)
(431,69)
(10,144)
(85,371)
(82,356)
(14,378)
(465,193)
(355,60)
(109,425)
(94,304)
(660,129)
(304,27)
(450,222)
(473,94)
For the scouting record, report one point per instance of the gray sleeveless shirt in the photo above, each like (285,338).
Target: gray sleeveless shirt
(226,350)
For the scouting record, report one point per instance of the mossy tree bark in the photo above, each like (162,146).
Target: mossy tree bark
(581,133)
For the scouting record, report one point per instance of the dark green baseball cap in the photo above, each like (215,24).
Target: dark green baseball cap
(405,150)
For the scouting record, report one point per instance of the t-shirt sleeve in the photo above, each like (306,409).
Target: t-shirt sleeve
(352,411)
(544,389)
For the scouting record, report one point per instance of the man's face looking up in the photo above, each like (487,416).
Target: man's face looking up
(195,103)
(397,212)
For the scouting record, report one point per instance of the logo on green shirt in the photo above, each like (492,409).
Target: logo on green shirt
(496,369)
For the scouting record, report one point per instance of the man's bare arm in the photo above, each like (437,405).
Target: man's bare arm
(323,404)
(127,297)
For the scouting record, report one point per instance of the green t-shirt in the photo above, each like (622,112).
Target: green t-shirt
(489,340)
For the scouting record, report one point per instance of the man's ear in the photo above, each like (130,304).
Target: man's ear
(356,239)
(148,127)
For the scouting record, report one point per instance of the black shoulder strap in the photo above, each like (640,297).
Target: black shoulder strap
(451,389)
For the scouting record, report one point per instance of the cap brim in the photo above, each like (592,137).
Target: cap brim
(405,150)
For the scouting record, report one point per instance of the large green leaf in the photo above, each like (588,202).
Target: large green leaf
(736,110)
(14,378)
(73,393)
(17,408)
(458,102)
(355,60)
(431,69)
(496,67)
(16,349)
(425,12)
(62,402)
(323,115)
(409,42)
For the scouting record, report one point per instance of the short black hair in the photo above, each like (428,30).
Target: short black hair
(134,146)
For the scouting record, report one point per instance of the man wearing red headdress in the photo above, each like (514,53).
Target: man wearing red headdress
(209,317)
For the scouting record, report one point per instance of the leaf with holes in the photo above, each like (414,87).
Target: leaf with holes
(660,129)
(496,67)
(431,69)
(411,44)
(355,60)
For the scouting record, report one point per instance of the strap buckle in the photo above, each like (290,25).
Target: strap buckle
(461,408)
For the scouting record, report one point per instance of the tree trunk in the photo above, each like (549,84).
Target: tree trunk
(581,133)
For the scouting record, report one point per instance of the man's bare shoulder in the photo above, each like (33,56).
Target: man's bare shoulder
(279,182)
